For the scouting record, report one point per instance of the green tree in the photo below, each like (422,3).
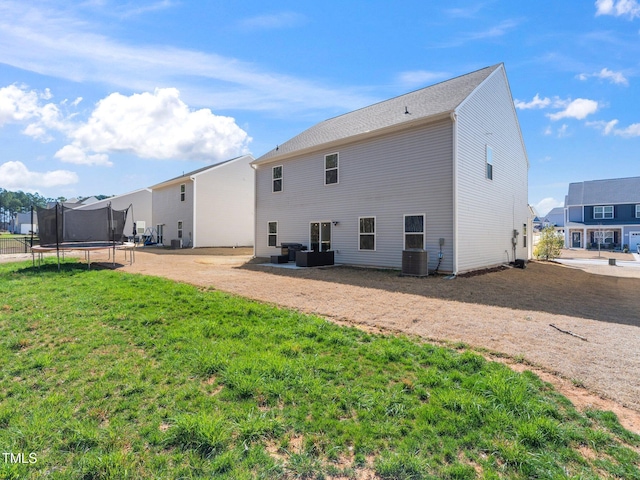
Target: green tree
(549,245)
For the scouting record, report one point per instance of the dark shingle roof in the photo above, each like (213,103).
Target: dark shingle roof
(604,192)
(437,99)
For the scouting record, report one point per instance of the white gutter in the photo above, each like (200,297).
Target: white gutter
(194,225)
(454,126)
(255,207)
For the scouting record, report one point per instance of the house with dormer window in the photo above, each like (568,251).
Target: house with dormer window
(442,169)
(603,214)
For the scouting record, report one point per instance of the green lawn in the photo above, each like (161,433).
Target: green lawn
(108,375)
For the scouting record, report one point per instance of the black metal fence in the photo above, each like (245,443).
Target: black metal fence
(17,244)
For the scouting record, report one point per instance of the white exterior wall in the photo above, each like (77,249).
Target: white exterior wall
(489,210)
(168,209)
(407,172)
(141,210)
(224,205)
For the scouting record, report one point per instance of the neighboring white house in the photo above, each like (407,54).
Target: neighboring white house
(209,207)
(443,169)
(139,202)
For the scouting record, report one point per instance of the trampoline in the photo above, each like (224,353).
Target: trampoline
(63,229)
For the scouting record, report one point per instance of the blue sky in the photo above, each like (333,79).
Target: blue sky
(106,96)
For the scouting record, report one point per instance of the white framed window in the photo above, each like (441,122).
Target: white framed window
(524,234)
(331,169)
(603,212)
(489,162)
(414,232)
(180,229)
(637,211)
(276,178)
(367,233)
(603,236)
(183,192)
(160,234)
(272,234)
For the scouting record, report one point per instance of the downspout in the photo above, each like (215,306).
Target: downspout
(255,208)
(455,192)
(193,222)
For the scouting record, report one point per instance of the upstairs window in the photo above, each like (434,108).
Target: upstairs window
(489,161)
(605,212)
(272,236)
(277,178)
(637,211)
(183,192)
(367,236)
(331,169)
(414,232)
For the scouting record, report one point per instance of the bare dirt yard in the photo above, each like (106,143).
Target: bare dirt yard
(506,315)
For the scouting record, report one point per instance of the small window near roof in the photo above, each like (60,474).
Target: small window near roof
(277,178)
(183,192)
(331,169)
(489,161)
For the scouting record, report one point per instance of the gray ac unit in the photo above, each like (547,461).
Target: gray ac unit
(176,243)
(415,263)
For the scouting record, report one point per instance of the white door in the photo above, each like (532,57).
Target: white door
(634,241)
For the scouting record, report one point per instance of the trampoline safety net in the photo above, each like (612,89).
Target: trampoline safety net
(59,224)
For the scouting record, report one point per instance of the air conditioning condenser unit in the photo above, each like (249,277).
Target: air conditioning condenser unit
(415,263)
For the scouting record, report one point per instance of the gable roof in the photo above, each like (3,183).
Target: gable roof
(604,192)
(187,176)
(430,102)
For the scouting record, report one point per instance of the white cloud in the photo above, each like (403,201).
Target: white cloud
(54,42)
(605,74)
(277,20)
(154,125)
(421,77)
(618,8)
(17,104)
(537,102)
(16,176)
(73,154)
(546,205)
(579,109)
(609,128)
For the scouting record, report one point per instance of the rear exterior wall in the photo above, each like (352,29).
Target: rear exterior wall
(386,177)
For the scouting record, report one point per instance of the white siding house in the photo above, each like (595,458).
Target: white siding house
(209,207)
(442,169)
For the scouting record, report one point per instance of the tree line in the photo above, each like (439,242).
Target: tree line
(21,202)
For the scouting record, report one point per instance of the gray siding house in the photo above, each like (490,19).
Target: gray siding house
(443,169)
(603,214)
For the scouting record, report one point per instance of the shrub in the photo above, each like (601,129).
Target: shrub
(550,244)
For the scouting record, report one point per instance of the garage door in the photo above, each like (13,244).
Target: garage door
(634,241)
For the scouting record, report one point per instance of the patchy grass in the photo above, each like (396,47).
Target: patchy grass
(112,376)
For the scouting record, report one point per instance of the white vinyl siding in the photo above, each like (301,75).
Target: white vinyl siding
(489,211)
(386,176)
(367,233)
(603,212)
